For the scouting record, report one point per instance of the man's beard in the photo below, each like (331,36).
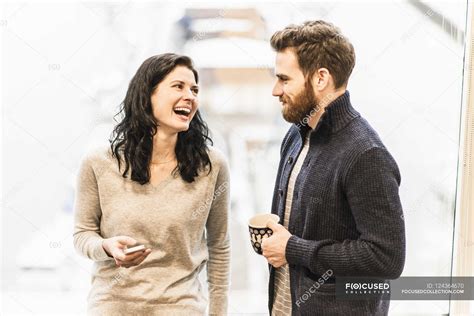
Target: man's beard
(299,109)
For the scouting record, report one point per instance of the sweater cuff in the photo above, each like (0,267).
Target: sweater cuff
(218,305)
(299,251)
(99,252)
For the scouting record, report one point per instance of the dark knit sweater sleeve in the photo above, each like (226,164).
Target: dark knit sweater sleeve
(371,188)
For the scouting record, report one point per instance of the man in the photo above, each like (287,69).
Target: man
(336,190)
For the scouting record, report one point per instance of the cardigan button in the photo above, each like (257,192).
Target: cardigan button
(290,160)
(280,192)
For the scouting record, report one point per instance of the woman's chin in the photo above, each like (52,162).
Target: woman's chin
(183,127)
(174,128)
(181,124)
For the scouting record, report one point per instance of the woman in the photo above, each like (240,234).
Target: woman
(160,185)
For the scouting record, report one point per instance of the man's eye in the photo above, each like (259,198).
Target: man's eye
(195,91)
(180,86)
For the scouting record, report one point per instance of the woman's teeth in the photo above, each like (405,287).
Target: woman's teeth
(182,111)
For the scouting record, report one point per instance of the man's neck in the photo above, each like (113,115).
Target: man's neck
(323,103)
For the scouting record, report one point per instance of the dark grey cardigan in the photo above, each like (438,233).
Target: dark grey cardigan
(346,214)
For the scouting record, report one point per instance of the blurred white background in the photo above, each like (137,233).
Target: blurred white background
(65,70)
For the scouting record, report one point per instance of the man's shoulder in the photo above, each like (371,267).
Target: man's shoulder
(361,136)
(363,142)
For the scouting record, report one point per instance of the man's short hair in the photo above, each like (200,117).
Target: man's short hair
(318,44)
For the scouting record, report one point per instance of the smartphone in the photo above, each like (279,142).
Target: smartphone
(133,249)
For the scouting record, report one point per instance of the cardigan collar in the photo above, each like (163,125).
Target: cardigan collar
(336,116)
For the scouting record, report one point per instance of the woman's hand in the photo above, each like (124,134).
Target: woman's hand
(115,247)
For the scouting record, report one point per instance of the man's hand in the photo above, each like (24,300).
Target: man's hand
(274,247)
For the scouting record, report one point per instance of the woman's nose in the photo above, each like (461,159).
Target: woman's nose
(189,95)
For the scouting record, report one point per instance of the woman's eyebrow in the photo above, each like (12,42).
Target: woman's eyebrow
(181,81)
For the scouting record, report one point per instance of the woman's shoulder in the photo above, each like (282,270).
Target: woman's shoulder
(98,155)
(220,165)
(216,156)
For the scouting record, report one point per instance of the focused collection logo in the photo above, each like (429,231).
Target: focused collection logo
(361,288)
(367,287)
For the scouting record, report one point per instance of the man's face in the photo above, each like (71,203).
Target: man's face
(297,98)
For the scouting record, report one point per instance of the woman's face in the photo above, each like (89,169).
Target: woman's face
(174,100)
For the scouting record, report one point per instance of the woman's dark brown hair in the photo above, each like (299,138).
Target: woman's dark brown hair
(132,137)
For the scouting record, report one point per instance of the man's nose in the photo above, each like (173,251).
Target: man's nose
(277,90)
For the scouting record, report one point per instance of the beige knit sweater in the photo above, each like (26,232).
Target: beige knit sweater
(185,225)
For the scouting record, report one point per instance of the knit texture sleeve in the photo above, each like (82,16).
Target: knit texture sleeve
(371,188)
(218,242)
(87,213)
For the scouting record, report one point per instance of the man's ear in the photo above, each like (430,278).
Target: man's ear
(321,79)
